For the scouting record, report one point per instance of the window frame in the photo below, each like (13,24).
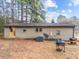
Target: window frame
(38,29)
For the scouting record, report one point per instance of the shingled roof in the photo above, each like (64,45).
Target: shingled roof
(39,25)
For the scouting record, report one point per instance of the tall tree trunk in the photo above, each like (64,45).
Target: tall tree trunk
(3,7)
(32,13)
(26,13)
(21,12)
(18,10)
(31,18)
(3,11)
(12,10)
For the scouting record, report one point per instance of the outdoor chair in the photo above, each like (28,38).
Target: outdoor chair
(60,45)
(73,40)
(46,35)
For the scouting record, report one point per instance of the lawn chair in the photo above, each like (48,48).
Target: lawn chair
(73,40)
(46,35)
(60,45)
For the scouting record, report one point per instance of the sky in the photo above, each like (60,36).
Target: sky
(54,8)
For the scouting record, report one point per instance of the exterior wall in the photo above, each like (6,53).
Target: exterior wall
(65,33)
(6,32)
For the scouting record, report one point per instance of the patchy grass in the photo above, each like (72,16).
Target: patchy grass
(30,49)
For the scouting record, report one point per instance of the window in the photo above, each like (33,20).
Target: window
(24,30)
(40,29)
(36,29)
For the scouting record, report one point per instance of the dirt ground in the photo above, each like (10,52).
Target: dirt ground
(30,49)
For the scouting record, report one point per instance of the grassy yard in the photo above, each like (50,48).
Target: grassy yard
(30,49)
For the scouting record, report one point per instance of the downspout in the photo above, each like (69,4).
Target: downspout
(73,31)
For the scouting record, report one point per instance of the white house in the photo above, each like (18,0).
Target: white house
(32,30)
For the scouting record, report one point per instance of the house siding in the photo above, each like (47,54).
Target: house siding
(65,33)
(6,32)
